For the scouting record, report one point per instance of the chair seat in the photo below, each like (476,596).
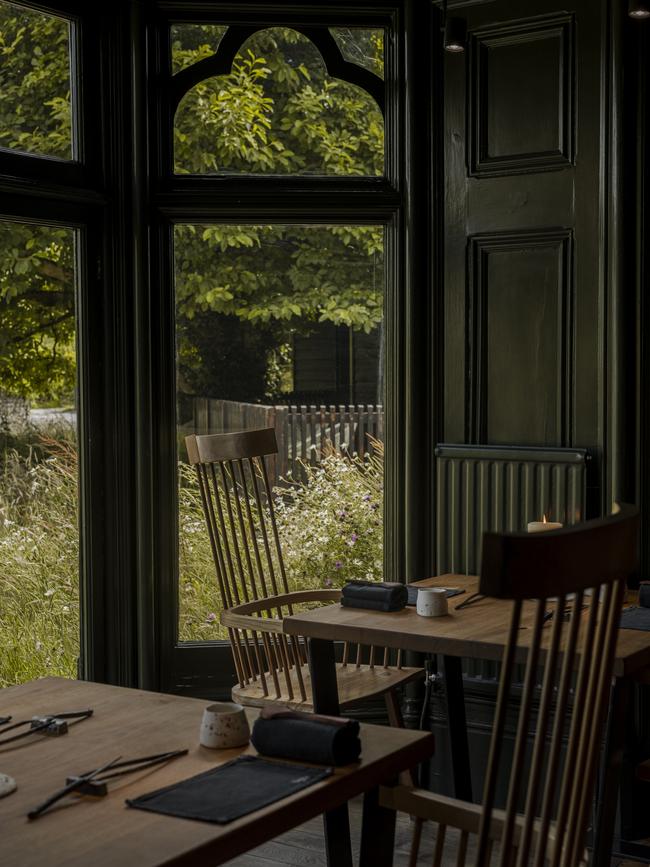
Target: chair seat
(354,685)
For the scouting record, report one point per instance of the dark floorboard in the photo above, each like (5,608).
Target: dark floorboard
(303,847)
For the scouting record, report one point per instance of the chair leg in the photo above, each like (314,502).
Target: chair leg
(415,841)
(395,719)
(394,709)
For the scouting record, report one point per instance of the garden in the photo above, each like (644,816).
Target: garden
(331,530)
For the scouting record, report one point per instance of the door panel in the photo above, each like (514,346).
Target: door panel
(524,266)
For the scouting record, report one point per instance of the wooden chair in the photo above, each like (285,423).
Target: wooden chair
(564,699)
(271,666)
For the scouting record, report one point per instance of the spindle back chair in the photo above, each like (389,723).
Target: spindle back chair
(569,661)
(239,509)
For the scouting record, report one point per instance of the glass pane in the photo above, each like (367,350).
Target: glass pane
(39,535)
(363,46)
(279,112)
(193,42)
(282,326)
(35,103)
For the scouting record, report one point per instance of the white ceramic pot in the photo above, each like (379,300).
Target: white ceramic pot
(224,726)
(432,602)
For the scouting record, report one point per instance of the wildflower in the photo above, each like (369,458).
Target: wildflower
(366,497)
(211,617)
(338,565)
(38,645)
(327,582)
(49,592)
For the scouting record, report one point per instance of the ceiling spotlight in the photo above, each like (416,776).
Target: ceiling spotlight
(455,35)
(639,8)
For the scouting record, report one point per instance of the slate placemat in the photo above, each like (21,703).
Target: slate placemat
(636,618)
(235,789)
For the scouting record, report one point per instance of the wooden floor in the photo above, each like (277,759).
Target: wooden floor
(304,846)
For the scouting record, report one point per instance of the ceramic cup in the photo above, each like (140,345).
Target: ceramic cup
(432,602)
(224,726)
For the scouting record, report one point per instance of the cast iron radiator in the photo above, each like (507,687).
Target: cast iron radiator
(501,488)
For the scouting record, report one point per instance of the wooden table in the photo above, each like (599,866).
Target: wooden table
(477,632)
(105,832)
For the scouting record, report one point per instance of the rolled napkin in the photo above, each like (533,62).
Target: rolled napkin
(385,596)
(306,737)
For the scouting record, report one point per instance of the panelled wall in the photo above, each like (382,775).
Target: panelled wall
(540,283)
(527,228)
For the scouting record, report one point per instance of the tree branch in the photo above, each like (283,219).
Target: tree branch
(40,329)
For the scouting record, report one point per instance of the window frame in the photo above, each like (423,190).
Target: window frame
(72,193)
(205,668)
(124,207)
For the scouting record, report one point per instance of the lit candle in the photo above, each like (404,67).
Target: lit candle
(543,525)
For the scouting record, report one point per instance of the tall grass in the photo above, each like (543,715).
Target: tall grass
(330,530)
(39,556)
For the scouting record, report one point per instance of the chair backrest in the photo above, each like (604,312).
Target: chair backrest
(569,664)
(238,505)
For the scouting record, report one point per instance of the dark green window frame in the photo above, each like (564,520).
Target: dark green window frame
(88,194)
(123,199)
(393,201)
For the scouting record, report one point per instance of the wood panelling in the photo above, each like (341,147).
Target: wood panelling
(521,96)
(517,278)
(526,238)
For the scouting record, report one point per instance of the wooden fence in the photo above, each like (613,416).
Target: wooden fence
(302,431)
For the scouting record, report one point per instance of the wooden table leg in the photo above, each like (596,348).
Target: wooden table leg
(322,667)
(457,724)
(377,831)
(325,694)
(611,774)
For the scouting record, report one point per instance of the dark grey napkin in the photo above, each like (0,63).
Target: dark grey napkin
(235,789)
(384,596)
(306,737)
(636,618)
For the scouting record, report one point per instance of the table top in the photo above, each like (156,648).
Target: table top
(479,631)
(105,832)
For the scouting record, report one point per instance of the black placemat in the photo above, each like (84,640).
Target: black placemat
(413,593)
(235,789)
(636,618)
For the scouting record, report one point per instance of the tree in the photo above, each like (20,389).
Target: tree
(277,112)
(37,311)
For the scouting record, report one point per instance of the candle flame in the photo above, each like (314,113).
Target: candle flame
(544,521)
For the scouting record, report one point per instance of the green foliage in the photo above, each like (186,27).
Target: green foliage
(35,109)
(39,564)
(37,311)
(37,352)
(276,112)
(330,529)
(293,275)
